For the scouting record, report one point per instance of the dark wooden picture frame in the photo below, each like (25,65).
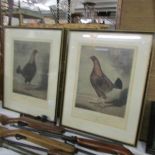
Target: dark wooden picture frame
(150,145)
(22,94)
(81,118)
(1,63)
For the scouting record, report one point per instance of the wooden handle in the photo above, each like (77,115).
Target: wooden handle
(50,144)
(103,147)
(44,126)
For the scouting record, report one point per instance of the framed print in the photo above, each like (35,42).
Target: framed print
(150,147)
(31,67)
(105,81)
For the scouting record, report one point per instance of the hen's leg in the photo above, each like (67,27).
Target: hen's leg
(101,100)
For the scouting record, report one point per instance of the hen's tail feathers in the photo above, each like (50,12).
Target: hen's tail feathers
(118,84)
(18,70)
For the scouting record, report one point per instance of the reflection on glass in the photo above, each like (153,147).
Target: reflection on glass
(18,12)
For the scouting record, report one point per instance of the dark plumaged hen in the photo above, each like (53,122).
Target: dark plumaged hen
(100,82)
(29,70)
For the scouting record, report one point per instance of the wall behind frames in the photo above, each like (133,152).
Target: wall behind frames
(137,15)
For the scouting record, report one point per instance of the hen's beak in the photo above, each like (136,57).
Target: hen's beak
(91,57)
(35,51)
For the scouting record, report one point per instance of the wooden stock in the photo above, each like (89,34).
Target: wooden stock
(103,147)
(44,126)
(50,144)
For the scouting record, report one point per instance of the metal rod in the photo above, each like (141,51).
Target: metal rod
(58,16)
(0,12)
(11,142)
(17,148)
(69,11)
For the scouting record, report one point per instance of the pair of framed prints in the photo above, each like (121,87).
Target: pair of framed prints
(103,84)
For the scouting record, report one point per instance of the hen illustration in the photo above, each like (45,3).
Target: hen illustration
(100,82)
(29,70)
